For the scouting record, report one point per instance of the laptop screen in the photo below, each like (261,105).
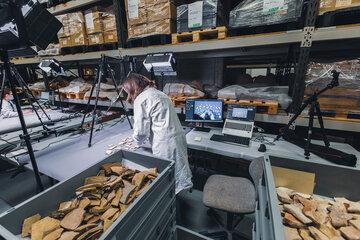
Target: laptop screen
(242,113)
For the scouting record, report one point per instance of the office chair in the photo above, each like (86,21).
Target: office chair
(234,195)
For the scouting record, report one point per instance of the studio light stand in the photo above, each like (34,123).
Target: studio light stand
(8,74)
(30,96)
(22,25)
(314,110)
(103,71)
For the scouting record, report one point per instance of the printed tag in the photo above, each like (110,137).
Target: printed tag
(89,20)
(133,9)
(272,6)
(343,3)
(195,14)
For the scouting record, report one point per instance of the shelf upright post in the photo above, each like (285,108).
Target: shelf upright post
(121,22)
(304,54)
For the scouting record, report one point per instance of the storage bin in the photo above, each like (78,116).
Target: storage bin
(141,218)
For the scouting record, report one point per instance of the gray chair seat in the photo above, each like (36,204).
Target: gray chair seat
(230,194)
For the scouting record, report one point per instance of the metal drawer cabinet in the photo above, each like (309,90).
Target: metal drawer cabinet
(330,181)
(130,222)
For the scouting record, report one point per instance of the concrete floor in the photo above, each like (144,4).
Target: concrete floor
(18,189)
(192,214)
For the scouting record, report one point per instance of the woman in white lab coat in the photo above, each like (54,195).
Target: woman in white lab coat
(155,120)
(8,109)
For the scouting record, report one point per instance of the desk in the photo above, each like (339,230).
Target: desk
(281,148)
(64,156)
(8,125)
(10,140)
(67,155)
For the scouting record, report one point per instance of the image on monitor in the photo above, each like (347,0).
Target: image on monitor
(204,111)
(239,113)
(243,113)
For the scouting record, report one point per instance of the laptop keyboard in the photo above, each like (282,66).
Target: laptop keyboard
(239,126)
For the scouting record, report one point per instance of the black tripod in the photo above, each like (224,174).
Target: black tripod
(103,72)
(12,78)
(30,96)
(313,111)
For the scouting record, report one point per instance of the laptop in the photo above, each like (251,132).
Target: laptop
(240,121)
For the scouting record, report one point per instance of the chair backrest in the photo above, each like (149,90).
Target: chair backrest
(256,170)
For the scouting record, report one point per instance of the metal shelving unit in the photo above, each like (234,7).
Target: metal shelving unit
(231,43)
(71,5)
(68,58)
(258,40)
(303,40)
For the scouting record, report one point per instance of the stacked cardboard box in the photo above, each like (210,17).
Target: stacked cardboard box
(94,26)
(146,17)
(109,26)
(333,5)
(73,32)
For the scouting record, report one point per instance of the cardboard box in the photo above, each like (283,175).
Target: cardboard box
(109,23)
(79,39)
(152,2)
(137,31)
(165,26)
(333,5)
(110,37)
(96,38)
(64,42)
(157,12)
(137,19)
(93,20)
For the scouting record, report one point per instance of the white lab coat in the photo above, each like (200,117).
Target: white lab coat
(155,119)
(8,109)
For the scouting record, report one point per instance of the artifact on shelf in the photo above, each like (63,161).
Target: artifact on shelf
(97,205)
(198,15)
(333,5)
(252,13)
(343,99)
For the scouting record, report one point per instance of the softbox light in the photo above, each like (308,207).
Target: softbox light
(26,24)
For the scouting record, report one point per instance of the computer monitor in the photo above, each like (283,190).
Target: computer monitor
(241,113)
(204,110)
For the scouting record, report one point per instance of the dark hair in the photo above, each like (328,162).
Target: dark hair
(135,84)
(5,92)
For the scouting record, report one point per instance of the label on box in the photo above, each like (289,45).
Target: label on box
(343,3)
(133,9)
(274,6)
(89,20)
(195,14)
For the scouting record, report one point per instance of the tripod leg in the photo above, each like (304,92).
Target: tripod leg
(118,92)
(33,98)
(292,120)
(321,122)
(311,123)
(7,67)
(27,91)
(2,89)
(100,76)
(88,103)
